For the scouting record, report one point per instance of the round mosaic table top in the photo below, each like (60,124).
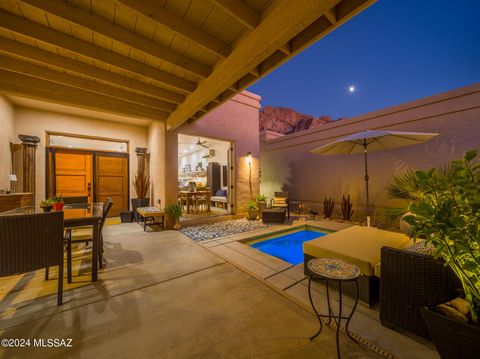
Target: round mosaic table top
(333,268)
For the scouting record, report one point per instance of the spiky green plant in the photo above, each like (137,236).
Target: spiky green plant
(445,209)
(328,205)
(347,211)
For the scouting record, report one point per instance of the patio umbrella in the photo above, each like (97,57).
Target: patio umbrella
(372,141)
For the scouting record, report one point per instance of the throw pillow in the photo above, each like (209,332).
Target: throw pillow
(279,200)
(423,248)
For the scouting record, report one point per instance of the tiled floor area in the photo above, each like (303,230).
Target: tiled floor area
(162,295)
(291,281)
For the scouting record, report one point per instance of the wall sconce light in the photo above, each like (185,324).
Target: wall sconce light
(249,158)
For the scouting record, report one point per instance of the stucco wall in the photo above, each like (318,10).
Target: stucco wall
(286,162)
(235,121)
(7,135)
(38,122)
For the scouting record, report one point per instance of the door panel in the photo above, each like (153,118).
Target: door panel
(111,173)
(73,174)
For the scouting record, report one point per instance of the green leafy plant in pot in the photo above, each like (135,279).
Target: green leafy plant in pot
(174,211)
(443,207)
(47,204)
(141,184)
(252,209)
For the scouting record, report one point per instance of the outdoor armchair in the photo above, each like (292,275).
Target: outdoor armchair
(281,200)
(32,241)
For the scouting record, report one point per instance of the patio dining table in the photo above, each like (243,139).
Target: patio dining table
(75,215)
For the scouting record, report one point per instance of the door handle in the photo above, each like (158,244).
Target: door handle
(89,189)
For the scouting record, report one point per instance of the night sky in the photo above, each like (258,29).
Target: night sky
(393,52)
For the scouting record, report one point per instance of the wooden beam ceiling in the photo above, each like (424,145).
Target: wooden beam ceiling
(153,10)
(41,33)
(45,57)
(153,59)
(22,85)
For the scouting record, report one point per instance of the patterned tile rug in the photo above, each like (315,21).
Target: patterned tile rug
(203,232)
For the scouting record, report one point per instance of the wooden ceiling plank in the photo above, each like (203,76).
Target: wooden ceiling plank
(48,91)
(41,33)
(254,48)
(153,10)
(74,14)
(41,56)
(240,11)
(41,72)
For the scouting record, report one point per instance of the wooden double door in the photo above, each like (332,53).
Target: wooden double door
(96,175)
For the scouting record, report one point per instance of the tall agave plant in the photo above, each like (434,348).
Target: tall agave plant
(141,183)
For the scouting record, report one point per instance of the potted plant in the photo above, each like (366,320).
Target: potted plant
(57,203)
(141,184)
(261,203)
(252,210)
(174,212)
(444,208)
(47,204)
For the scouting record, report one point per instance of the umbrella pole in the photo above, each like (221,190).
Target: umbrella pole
(365,144)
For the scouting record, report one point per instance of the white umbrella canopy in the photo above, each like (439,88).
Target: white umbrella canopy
(372,141)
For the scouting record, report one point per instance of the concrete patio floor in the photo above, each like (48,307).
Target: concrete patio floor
(162,295)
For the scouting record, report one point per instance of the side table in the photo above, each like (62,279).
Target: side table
(335,270)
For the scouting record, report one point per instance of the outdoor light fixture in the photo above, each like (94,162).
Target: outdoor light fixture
(249,158)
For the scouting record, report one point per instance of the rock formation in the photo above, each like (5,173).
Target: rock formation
(285,120)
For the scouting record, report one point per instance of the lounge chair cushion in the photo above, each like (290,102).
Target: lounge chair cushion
(358,245)
(278,201)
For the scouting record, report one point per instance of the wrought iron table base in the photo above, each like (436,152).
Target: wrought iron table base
(331,315)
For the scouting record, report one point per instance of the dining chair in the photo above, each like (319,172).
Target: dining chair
(74,235)
(32,241)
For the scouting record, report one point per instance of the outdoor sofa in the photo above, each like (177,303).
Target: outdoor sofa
(358,245)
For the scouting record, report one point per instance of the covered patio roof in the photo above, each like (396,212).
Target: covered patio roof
(154,59)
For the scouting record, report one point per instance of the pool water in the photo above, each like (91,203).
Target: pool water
(289,246)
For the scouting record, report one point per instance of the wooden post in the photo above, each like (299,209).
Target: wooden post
(29,144)
(141,156)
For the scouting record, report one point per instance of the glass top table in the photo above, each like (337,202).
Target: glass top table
(74,215)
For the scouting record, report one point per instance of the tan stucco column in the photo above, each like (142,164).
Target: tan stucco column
(156,146)
(171,167)
(29,144)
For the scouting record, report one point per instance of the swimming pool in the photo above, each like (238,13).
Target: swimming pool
(287,246)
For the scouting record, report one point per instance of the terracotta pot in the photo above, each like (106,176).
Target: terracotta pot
(58,206)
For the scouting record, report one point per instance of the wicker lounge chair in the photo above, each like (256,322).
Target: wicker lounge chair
(30,242)
(410,281)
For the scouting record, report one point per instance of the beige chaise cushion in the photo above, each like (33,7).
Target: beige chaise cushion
(358,245)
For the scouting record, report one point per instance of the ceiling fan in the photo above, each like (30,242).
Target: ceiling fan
(202,144)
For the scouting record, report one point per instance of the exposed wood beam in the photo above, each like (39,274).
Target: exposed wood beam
(44,73)
(240,11)
(254,48)
(45,57)
(25,86)
(96,24)
(331,15)
(154,10)
(41,33)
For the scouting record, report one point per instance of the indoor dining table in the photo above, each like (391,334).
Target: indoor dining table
(75,215)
